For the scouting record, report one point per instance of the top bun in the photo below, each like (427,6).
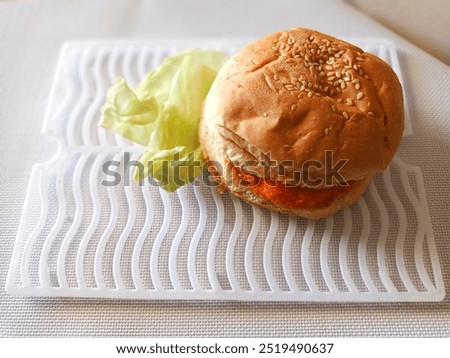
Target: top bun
(293,95)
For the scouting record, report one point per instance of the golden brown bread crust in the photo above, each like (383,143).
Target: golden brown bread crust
(298,93)
(225,182)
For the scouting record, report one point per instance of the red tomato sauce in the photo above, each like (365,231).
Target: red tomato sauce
(291,196)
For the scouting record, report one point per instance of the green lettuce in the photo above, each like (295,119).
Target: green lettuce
(163,114)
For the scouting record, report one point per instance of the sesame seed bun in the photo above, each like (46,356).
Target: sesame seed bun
(298,97)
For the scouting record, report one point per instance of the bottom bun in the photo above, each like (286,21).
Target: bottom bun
(339,202)
(221,171)
(342,201)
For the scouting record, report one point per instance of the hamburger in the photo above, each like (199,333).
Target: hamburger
(299,122)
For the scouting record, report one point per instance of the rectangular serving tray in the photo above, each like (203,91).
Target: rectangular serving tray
(79,238)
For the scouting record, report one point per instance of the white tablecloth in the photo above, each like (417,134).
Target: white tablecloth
(31,35)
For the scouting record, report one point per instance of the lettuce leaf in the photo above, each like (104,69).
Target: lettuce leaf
(163,114)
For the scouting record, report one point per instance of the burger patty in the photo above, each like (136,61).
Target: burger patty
(290,196)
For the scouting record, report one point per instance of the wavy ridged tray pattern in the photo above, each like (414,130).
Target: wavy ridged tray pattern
(78,237)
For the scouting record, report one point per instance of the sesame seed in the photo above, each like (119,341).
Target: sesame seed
(265,114)
(355,80)
(300,95)
(322,74)
(330,74)
(310,85)
(331,78)
(337,55)
(370,114)
(318,94)
(331,92)
(357,86)
(326,89)
(293,107)
(349,102)
(333,108)
(339,100)
(366,77)
(310,94)
(339,90)
(338,74)
(311,38)
(329,67)
(355,67)
(359,95)
(345,114)
(359,59)
(327,131)
(361,72)
(276,78)
(346,79)
(343,85)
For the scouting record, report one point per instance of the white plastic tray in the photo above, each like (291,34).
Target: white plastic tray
(78,237)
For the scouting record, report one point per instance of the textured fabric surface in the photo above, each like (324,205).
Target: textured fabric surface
(31,37)
(423,25)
